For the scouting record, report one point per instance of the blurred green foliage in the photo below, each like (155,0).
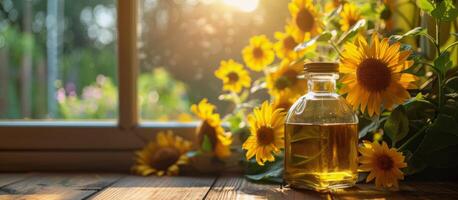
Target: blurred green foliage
(161,97)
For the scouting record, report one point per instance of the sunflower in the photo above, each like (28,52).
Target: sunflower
(285,45)
(349,16)
(266,133)
(211,129)
(305,19)
(383,163)
(233,75)
(162,157)
(374,74)
(331,5)
(284,100)
(285,78)
(258,54)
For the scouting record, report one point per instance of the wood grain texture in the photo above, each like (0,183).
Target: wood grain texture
(237,187)
(57,186)
(114,161)
(173,188)
(10,178)
(407,190)
(230,186)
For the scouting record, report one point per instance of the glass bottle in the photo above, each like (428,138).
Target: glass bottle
(321,134)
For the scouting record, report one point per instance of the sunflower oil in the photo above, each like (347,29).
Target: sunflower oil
(321,156)
(321,134)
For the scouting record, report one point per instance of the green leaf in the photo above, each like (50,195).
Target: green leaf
(420,109)
(441,158)
(352,32)
(451,84)
(445,11)
(371,127)
(334,13)
(445,124)
(442,133)
(414,32)
(438,145)
(226,97)
(258,84)
(425,5)
(206,144)
(323,37)
(234,121)
(451,107)
(397,125)
(272,172)
(443,63)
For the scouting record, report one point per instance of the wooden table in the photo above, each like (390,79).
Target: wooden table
(48,186)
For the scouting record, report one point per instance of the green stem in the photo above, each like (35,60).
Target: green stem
(236,98)
(413,137)
(450,46)
(335,48)
(439,93)
(438,37)
(439,75)
(433,41)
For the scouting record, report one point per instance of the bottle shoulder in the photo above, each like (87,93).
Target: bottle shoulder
(321,109)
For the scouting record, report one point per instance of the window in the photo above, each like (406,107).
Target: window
(181,44)
(131,45)
(57,144)
(57,59)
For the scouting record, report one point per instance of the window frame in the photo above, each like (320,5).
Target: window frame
(84,145)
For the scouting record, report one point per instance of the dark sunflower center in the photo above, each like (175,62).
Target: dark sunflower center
(288,79)
(289,43)
(265,135)
(233,77)
(257,52)
(164,157)
(207,130)
(385,162)
(305,20)
(374,75)
(351,22)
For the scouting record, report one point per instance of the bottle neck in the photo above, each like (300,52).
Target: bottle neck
(322,83)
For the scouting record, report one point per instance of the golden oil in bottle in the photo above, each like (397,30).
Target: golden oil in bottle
(321,135)
(321,156)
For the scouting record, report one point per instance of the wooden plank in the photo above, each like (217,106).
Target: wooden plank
(408,190)
(56,135)
(136,187)
(368,191)
(237,187)
(57,186)
(14,161)
(8,178)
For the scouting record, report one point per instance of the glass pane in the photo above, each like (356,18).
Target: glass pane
(182,43)
(57,59)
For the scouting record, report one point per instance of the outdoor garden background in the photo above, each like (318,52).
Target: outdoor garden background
(68,70)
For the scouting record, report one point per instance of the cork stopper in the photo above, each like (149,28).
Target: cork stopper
(321,67)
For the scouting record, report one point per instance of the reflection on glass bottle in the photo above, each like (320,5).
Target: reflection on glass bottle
(321,134)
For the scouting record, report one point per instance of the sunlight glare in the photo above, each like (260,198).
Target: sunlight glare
(243,5)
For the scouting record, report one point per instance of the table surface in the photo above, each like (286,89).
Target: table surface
(48,186)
